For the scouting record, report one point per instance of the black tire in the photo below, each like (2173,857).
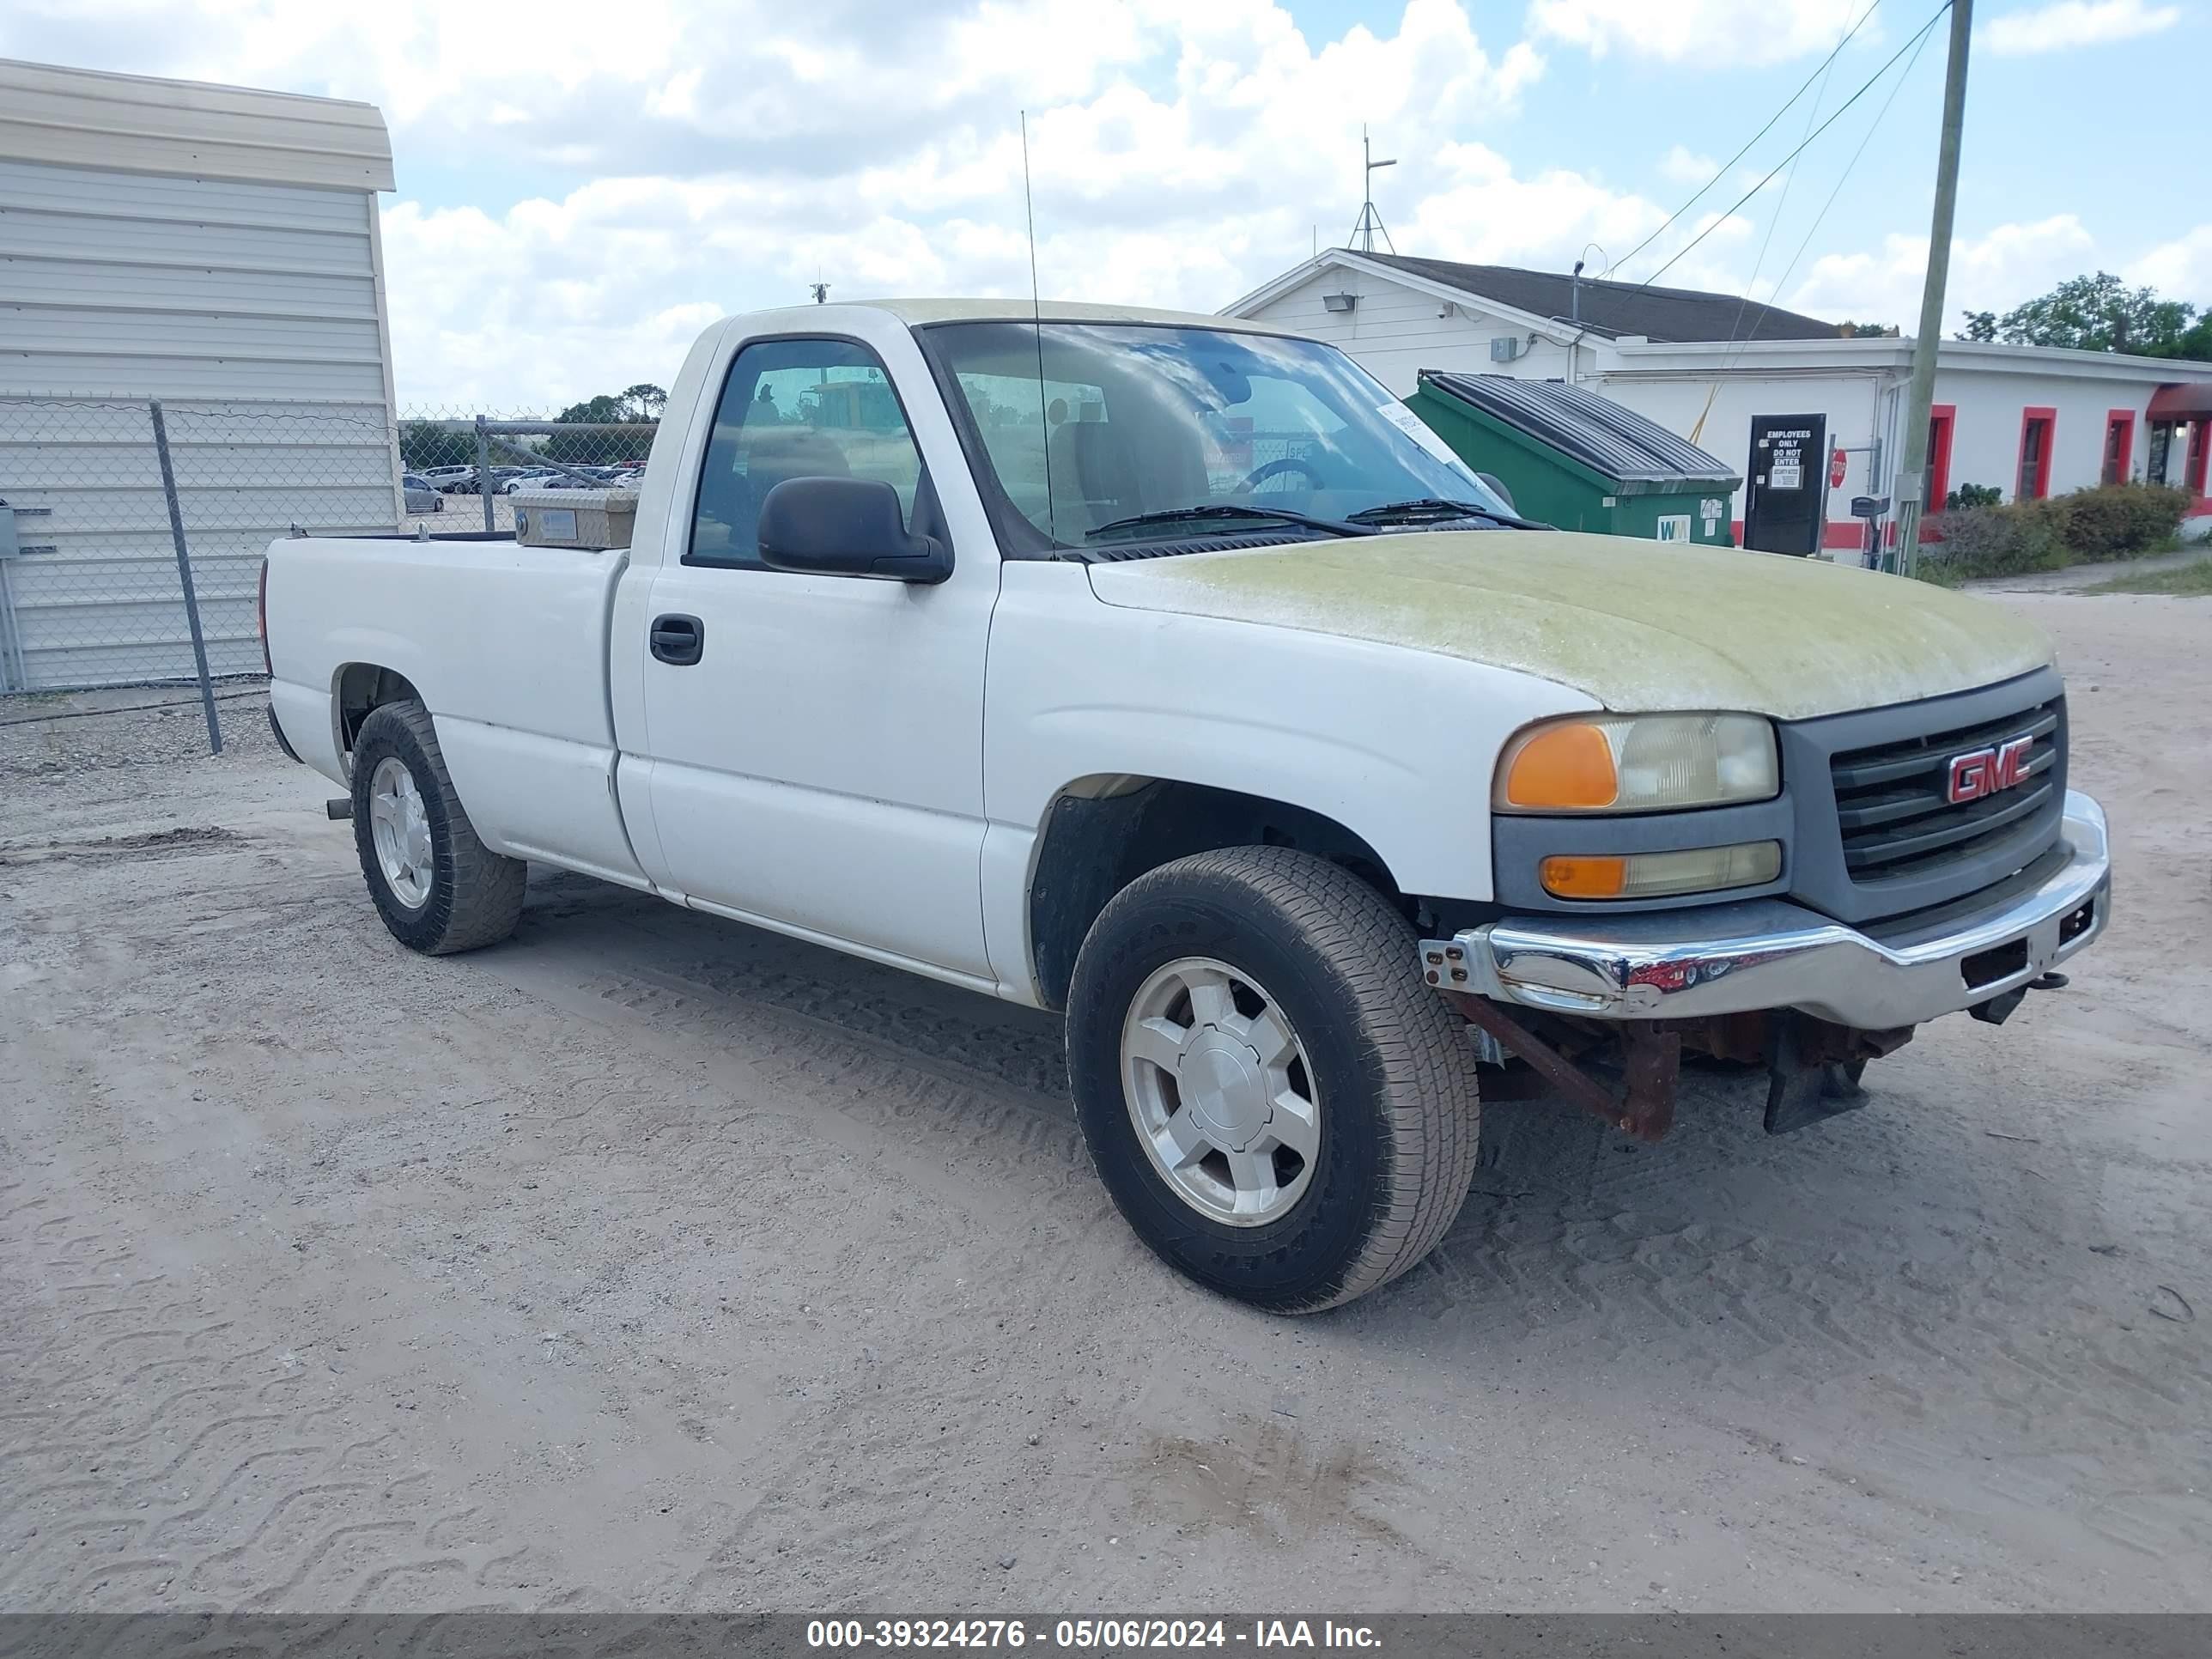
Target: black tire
(1393,1073)
(475,896)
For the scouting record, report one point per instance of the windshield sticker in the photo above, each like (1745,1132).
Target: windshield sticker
(1418,429)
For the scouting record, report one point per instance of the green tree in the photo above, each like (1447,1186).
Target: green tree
(1867,331)
(425,444)
(603,409)
(2099,314)
(1980,326)
(594,444)
(2195,342)
(644,401)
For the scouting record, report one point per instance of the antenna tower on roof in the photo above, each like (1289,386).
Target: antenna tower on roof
(1370,222)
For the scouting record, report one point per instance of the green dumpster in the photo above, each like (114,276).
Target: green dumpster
(1579,461)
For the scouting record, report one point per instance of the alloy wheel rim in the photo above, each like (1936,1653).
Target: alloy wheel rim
(1220,1091)
(399,825)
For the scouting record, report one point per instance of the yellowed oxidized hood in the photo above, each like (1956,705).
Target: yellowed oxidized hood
(1638,625)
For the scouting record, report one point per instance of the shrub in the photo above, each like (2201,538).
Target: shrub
(1969,495)
(1997,541)
(2115,521)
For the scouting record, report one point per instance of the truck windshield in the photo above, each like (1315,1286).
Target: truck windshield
(1098,435)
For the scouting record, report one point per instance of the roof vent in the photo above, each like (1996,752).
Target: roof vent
(1338,302)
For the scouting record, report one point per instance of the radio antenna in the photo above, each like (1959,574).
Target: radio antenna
(1370,222)
(1037,324)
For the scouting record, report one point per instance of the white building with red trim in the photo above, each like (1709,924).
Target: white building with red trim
(2028,421)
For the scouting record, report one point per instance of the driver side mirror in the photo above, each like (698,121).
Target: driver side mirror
(846,527)
(1490,482)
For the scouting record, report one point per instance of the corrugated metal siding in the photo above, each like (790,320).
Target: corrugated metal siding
(88,118)
(251,310)
(95,596)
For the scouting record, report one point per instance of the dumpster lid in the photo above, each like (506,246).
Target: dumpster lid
(1597,431)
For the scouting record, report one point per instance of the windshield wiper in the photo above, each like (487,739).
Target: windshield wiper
(1230,510)
(1432,506)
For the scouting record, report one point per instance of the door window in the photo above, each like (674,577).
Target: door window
(2033,482)
(796,408)
(2119,447)
(1936,486)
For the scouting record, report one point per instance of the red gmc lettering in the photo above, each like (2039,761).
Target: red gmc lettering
(1985,771)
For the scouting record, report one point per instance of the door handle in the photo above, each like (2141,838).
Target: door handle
(679,641)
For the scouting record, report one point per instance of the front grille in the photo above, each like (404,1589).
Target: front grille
(1895,821)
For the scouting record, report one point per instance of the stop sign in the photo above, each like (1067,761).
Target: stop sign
(1836,469)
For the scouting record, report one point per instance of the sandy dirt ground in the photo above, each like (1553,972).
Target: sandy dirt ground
(648,1261)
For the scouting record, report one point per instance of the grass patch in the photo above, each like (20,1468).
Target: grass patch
(2189,580)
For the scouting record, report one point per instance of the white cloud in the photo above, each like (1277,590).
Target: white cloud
(1706,32)
(2178,270)
(573,209)
(1993,272)
(711,155)
(1486,213)
(2069,23)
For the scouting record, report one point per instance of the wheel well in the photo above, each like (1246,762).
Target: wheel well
(1102,833)
(363,686)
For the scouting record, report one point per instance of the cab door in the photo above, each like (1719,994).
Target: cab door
(814,741)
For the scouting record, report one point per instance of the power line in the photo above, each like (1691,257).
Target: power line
(1914,44)
(1774,219)
(1880,116)
(1735,355)
(1722,170)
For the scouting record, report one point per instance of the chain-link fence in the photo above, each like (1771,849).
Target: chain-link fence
(132,532)
(464,470)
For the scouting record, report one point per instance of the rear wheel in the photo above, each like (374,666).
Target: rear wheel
(438,887)
(1281,1109)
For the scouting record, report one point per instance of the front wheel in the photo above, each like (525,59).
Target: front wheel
(1280,1107)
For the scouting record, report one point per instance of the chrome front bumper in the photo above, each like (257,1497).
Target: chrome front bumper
(1771,954)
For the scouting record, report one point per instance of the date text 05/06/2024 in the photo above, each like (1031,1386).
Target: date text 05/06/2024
(1087,1635)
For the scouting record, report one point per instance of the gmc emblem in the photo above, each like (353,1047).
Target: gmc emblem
(1982,772)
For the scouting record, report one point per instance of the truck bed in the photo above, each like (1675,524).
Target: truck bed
(507,646)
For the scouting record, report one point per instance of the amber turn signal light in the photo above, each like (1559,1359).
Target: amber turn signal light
(1658,875)
(1564,766)
(1584,878)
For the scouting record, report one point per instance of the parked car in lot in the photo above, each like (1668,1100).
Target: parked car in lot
(421,495)
(466,483)
(1215,709)
(528,478)
(445,479)
(584,477)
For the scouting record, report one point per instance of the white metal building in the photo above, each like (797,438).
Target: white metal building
(2026,420)
(215,248)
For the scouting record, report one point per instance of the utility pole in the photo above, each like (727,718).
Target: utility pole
(1912,471)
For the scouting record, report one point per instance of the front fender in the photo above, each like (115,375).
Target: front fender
(1397,745)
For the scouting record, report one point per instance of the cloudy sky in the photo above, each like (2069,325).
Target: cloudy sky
(583,183)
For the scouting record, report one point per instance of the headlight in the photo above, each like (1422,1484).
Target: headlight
(1659,875)
(1637,764)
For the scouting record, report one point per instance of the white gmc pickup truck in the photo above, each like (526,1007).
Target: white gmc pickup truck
(1164,671)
